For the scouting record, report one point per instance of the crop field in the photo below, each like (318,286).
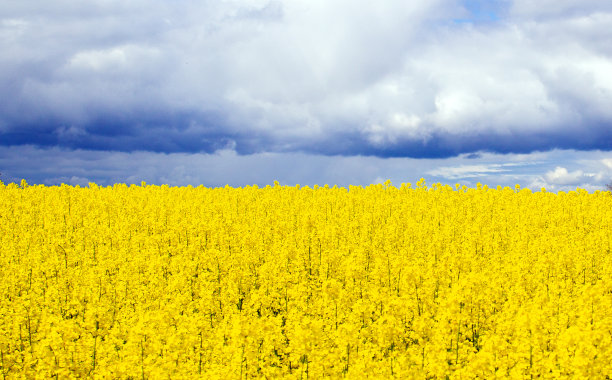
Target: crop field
(412,281)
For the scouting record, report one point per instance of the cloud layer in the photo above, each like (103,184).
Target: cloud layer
(389,79)
(555,170)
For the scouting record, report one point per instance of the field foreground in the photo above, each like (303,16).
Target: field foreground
(409,282)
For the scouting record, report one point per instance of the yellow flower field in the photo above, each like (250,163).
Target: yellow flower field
(379,281)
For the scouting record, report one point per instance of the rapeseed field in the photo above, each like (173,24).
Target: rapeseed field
(413,281)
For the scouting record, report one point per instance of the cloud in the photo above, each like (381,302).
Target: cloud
(560,176)
(557,8)
(390,79)
(534,170)
(607,162)
(466,171)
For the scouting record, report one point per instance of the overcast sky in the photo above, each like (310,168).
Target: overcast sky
(307,91)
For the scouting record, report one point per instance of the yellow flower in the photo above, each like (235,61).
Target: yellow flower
(287,281)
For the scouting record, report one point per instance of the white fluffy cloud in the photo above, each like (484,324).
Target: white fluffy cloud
(560,176)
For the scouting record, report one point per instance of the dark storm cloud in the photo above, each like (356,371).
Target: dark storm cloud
(147,131)
(389,79)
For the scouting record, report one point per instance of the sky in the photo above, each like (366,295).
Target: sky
(218,92)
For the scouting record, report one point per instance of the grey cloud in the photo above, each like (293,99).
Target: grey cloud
(587,170)
(344,78)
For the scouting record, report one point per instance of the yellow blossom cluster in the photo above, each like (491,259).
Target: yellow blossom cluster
(304,282)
